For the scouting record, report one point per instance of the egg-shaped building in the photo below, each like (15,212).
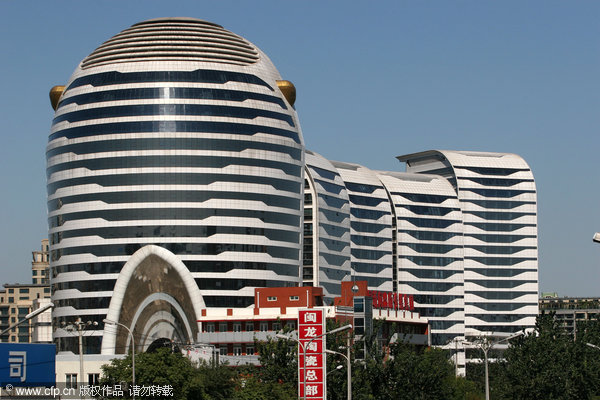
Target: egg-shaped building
(175,182)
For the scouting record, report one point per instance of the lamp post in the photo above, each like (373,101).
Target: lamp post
(79,326)
(596,237)
(348,371)
(592,346)
(336,330)
(111,322)
(485,346)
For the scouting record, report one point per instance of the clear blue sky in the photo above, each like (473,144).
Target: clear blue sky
(374,80)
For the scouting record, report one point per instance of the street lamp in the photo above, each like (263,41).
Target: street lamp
(111,322)
(348,372)
(592,346)
(486,345)
(596,237)
(335,369)
(336,330)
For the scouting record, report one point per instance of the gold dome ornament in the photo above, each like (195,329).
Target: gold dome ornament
(289,91)
(55,94)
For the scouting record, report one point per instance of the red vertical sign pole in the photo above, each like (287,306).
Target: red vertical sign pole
(312,359)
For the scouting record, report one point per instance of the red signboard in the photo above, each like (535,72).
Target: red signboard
(311,355)
(393,301)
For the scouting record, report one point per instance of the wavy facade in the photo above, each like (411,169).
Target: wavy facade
(326,248)
(430,249)
(371,229)
(173,134)
(497,195)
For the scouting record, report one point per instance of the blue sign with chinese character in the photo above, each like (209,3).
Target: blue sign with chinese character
(27,364)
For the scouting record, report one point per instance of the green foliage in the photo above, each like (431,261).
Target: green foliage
(546,364)
(159,368)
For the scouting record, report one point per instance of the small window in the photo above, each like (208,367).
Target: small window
(272,298)
(24,290)
(93,379)
(11,290)
(294,298)
(249,326)
(223,350)
(237,326)
(264,326)
(210,327)
(237,351)
(222,326)
(276,326)
(250,350)
(71,381)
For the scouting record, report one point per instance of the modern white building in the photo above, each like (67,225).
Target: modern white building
(497,196)
(178,182)
(175,171)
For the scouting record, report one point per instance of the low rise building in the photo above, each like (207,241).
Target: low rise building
(570,310)
(232,332)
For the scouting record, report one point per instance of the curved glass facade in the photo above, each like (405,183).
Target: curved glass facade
(204,159)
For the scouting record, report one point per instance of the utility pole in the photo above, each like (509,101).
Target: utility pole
(80,326)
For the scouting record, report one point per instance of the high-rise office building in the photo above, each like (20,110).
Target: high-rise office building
(175,171)
(497,196)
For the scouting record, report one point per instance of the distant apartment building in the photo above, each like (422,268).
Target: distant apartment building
(570,310)
(17,300)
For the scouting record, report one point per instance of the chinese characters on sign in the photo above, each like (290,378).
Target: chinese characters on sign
(393,301)
(311,327)
(17,364)
(27,364)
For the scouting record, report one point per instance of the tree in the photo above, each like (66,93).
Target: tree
(164,367)
(547,364)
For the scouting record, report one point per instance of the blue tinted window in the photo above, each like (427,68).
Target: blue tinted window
(361,187)
(367,227)
(432,235)
(497,181)
(170,93)
(431,248)
(323,172)
(504,193)
(149,143)
(493,171)
(366,201)
(432,261)
(491,227)
(172,179)
(430,223)
(424,210)
(138,110)
(424,198)
(171,126)
(200,75)
(368,214)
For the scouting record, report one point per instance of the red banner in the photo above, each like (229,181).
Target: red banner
(311,327)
